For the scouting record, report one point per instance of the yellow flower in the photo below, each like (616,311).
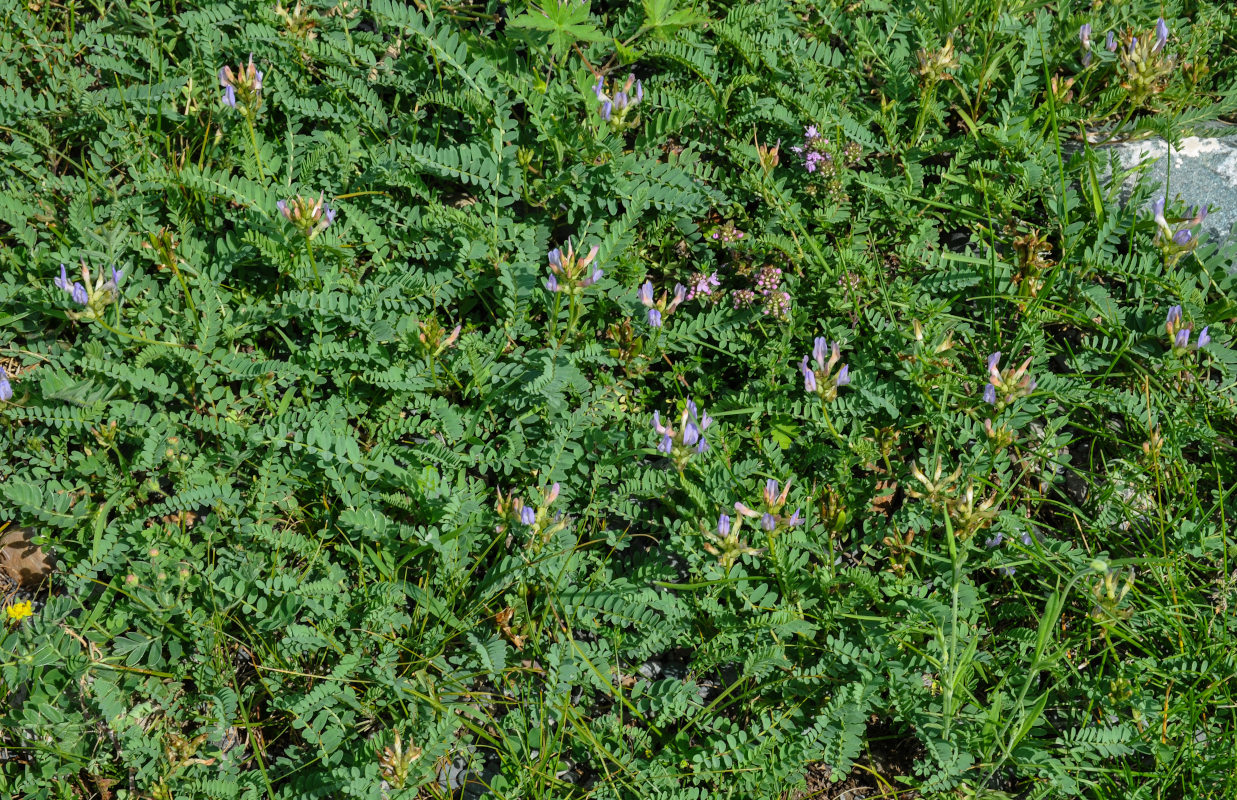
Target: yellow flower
(19,611)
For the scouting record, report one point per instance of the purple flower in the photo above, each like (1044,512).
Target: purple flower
(1182,237)
(680,294)
(1007,571)
(819,348)
(6,388)
(809,377)
(812,160)
(745,511)
(1133,44)
(795,519)
(665,445)
(1174,316)
(1204,338)
(1084,35)
(704,445)
(639,92)
(995,541)
(691,434)
(1111,43)
(771,491)
(606,108)
(843,378)
(1182,340)
(645,294)
(657,426)
(597,90)
(1157,208)
(654,318)
(1161,35)
(229,97)
(1026,538)
(223,76)
(811,133)
(552,283)
(1200,214)
(79,295)
(768,522)
(553,495)
(329,213)
(1086,58)
(993,360)
(555,258)
(723,525)
(282,205)
(117,276)
(527,515)
(989,394)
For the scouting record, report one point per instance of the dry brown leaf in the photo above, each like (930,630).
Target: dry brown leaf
(21,559)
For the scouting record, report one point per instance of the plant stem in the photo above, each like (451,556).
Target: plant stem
(313,262)
(253,140)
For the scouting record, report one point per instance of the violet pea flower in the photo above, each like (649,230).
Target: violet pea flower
(552,283)
(1174,316)
(819,348)
(1111,43)
(645,294)
(1204,338)
(606,108)
(654,318)
(768,522)
(527,515)
(1161,35)
(723,525)
(1182,340)
(691,434)
(665,445)
(6,388)
(1182,237)
(597,90)
(989,394)
(843,378)
(809,377)
(229,96)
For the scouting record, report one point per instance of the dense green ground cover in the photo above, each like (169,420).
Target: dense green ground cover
(371,466)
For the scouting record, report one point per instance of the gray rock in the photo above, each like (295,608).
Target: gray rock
(1204,172)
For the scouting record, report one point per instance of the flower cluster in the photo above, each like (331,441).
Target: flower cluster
(814,152)
(702,284)
(19,611)
(6,388)
(666,305)
(242,87)
(310,216)
(822,380)
(934,66)
(725,542)
(433,339)
(1179,239)
(688,438)
(535,517)
(615,108)
(1005,387)
(768,291)
(569,272)
(93,297)
(1144,64)
(771,519)
(726,233)
(1179,334)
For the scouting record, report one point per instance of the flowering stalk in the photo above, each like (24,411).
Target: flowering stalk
(679,444)
(311,217)
(242,90)
(1145,65)
(1003,388)
(615,108)
(570,275)
(822,381)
